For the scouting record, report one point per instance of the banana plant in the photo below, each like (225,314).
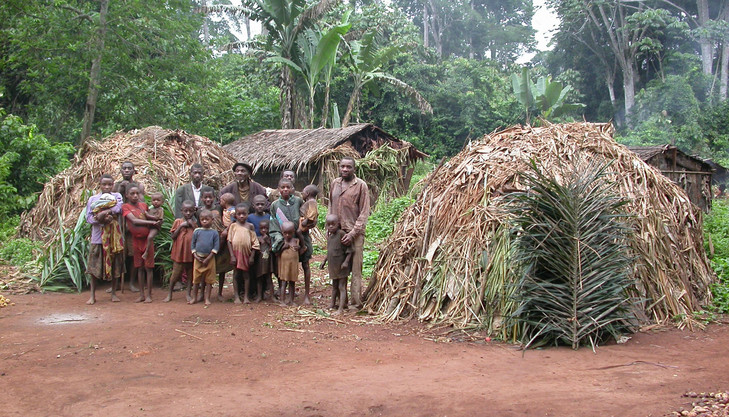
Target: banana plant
(546,96)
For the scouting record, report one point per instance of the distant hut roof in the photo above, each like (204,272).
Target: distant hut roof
(646,153)
(298,148)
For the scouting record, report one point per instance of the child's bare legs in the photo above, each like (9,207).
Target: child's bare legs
(342,289)
(92,298)
(193,299)
(150,275)
(292,290)
(177,269)
(246,286)
(189,285)
(141,272)
(335,293)
(236,275)
(282,292)
(150,241)
(202,286)
(208,290)
(259,289)
(307,281)
(221,283)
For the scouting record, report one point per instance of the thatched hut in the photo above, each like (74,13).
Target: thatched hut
(691,173)
(162,157)
(442,262)
(313,154)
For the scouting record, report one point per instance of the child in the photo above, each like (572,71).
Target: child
(339,258)
(154,214)
(286,208)
(207,201)
(227,205)
(309,216)
(263,264)
(138,226)
(288,262)
(242,244)
(259,214)
(106,257)
(181,252)
(127,171)
(205,244)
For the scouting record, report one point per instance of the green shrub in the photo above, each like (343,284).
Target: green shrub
(716,236)
(382,222)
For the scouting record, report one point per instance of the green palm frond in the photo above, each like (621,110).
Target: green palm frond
(571,236)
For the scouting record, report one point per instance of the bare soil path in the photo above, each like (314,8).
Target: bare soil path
(61,357)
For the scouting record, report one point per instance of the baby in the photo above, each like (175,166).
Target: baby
(155,213)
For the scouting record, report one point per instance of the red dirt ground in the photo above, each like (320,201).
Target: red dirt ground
(61,357)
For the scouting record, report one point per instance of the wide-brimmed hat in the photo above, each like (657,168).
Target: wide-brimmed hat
(244,165)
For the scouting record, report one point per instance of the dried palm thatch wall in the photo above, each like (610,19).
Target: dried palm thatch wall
(161,156)
(313,155)
(446,260)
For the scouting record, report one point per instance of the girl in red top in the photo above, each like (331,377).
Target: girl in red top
(138,226)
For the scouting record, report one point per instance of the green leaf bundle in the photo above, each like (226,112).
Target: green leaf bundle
(572,243)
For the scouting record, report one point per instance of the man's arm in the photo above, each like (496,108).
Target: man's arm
(364,209)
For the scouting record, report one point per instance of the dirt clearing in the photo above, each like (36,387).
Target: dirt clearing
(59,356)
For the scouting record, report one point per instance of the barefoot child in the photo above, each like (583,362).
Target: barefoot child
(288,263)
(133,211)
(285,209)
(263,262)
(221,222)
(207,201)
(106,249)
(181,252)
(242,244)
(339,258)
(155,213)
(205,244)
(309,216)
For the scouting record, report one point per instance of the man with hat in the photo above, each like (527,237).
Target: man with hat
(244,189)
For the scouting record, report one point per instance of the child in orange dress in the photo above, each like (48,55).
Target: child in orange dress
(288,263)
(181,253)
(242,244)
(133,211)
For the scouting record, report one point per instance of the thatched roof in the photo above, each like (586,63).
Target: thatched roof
(161,157)
(646,153)
(433,266)
(298,148)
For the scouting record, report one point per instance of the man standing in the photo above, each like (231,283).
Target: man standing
(244,189)
(349,199)
(191,191)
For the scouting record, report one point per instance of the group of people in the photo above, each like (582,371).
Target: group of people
(245,229)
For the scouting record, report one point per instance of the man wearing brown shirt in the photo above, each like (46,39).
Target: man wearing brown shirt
(349,199)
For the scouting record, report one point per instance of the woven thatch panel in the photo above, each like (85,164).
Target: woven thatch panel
(296,149)
(161,156)
(438,265)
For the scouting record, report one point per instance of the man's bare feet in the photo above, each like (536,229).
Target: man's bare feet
(307,301)
(91,301)
(237,300)
(189,297)
(337,313)
(246,300)
(257,299)
(148,300)
(133,288)
(283,304)
(207,302)
(192,301)
(115,299)
(220,298)
(167,300)
(140,299)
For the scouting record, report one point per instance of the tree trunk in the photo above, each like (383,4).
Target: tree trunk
(247,22)
(286,99)
(425,25)
(629,86)
(350,106)
(707,48)
(95,74)
(724,76)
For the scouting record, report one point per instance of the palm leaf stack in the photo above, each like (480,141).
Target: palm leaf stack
(451,258)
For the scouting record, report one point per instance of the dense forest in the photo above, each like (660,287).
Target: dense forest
(437,73)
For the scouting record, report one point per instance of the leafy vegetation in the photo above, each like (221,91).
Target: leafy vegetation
(572,245)
(716,228)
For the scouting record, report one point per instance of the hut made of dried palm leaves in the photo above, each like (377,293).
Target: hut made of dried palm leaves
(313,154)
(161,156)
(447,259)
